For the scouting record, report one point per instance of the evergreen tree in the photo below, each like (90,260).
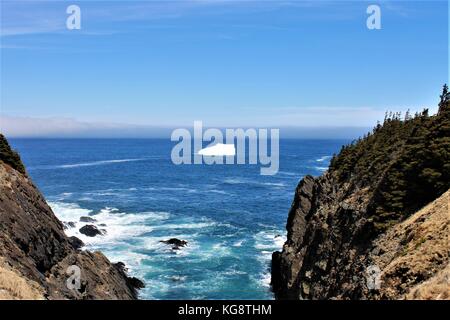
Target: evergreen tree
(406,163)
(9,156)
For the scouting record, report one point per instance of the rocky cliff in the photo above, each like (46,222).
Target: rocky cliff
(35,253)
(357,233)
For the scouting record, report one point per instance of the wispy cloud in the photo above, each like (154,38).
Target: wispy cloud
(31,17)
(37,17)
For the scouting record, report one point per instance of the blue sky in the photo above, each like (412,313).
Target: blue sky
(227,63)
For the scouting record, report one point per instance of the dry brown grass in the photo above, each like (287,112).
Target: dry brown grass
(414,257)
(15,287)
(436,288)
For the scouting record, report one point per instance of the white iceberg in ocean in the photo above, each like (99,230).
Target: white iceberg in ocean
(219,149)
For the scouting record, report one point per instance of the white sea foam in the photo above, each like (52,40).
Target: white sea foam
(257,183)
(324,158)
(95,163)
(279,241)
(147,229)
(275,184)
(238,243)
(190,225)
(66,194)
(189,190)
(267,242)
(84,198)
(285,173)
(217,191)
(132,259)
(220,246)
(68,211)
(119,226)
(234,181)
(233,271)
(177,278)
(266,279)
(215,251)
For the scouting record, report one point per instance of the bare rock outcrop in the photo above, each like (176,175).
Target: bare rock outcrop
(33,246)
(327,232)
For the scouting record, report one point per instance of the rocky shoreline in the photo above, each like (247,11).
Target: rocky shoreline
(33,246)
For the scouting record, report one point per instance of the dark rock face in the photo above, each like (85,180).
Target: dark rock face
(76,243)
(33,243)
(176,243)
(131,281)
(332,248)
(68,225)
(323,255)
(87,219)
(90,230)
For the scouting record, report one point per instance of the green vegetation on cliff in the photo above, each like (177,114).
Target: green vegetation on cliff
(9,156)
(405,161)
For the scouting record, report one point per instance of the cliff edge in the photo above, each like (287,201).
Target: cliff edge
(359,230)
(36,257)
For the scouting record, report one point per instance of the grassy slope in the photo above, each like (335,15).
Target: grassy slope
(13,286)
(414,255)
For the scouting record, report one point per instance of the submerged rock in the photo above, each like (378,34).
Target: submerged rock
(90,230)
(176,243)
(68,224)
(178,278)
(87,219)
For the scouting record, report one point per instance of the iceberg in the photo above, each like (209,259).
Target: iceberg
(219,149)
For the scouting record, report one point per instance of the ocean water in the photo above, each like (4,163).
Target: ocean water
(232,217)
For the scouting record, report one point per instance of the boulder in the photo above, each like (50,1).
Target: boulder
(90,230)
(176,243)
(76,243)
(68,224)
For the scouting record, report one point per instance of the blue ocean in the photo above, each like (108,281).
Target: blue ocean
(232,217)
